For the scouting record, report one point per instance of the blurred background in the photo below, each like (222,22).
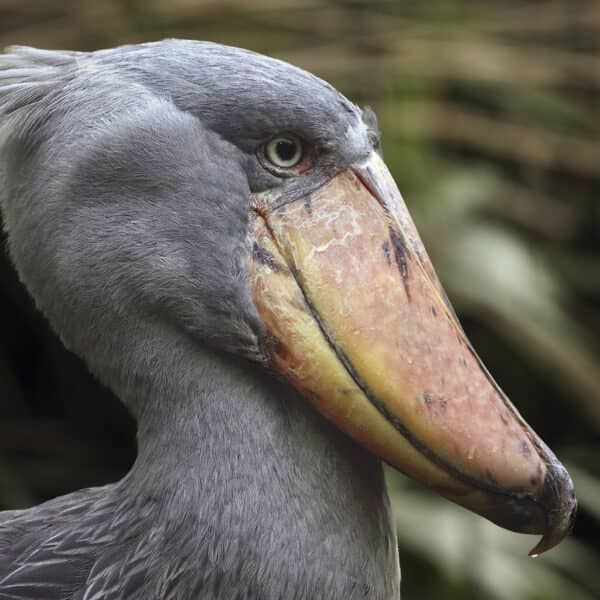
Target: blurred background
(490,113)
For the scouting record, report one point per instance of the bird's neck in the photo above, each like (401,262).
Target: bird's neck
(260,478)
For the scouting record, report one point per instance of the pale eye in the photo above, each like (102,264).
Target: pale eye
(284,151)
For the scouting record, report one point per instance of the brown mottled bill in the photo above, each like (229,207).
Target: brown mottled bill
(343,283)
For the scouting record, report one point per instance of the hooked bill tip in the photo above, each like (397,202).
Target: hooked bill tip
(558,500)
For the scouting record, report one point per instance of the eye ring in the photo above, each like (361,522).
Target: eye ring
(284,151)
(286,155)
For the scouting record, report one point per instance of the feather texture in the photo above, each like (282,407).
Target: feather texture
(125,182)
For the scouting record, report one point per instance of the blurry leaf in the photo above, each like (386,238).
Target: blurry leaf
(465,546)
(522,143)
(588,489)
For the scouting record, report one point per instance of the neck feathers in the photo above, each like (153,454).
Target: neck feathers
(240,490)
(270,490)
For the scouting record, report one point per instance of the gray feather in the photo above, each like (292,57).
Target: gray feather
(125,182)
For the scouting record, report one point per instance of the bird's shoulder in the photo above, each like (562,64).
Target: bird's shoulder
(83,545)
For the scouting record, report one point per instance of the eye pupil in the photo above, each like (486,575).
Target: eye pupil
(286,149)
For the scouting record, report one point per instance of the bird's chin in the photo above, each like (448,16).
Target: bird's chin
(356,318)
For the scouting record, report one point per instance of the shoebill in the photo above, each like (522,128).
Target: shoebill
(216,234)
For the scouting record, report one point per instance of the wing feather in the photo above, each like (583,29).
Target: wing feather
(74,547)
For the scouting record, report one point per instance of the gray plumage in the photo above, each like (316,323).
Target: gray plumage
(125,181)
